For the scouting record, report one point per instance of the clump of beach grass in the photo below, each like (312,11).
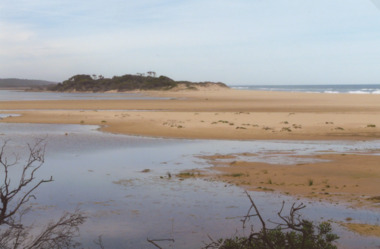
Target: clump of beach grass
(237,174)
(186,174)
(286,129)
(295,126)
(310,182)
(375,199)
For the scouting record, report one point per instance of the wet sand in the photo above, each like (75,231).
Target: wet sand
(337,178)
(349,179)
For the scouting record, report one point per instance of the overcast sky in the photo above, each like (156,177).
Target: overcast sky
(232,41)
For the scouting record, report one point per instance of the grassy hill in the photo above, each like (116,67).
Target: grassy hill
(128,82)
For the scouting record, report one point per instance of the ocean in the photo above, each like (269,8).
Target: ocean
(351,89)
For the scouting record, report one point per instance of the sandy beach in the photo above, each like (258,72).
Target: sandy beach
(244,115)
(217,114)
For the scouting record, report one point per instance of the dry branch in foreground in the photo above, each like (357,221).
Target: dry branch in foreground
(14,197)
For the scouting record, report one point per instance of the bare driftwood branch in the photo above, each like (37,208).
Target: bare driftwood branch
(56,235)
(59,233)
(293,221)
(263,225)
(99,242)
(264,235)
(153,241)
(14,195)
(20,193)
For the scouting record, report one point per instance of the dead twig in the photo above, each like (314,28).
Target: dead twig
(153,241)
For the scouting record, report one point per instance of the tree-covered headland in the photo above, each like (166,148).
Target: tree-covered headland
(127,82)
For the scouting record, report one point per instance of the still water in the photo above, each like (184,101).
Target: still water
(101,174)
(14,95)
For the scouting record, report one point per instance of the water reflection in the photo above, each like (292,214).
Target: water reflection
(101,173)
(2,115)
(15,95)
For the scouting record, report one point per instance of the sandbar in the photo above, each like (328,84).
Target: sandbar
(216,114)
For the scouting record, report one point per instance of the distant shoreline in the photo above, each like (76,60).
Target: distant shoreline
(331,89)
(21,88)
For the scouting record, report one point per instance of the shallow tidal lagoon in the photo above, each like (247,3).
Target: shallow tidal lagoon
(101,174)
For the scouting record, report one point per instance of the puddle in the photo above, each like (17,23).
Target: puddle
(102,175)
(7,115)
